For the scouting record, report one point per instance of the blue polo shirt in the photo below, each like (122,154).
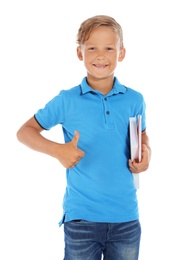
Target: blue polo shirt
(101,187)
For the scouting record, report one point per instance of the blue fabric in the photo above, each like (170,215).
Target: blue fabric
(90,240)
(100,188)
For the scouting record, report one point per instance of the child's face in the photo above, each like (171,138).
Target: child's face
(101,52)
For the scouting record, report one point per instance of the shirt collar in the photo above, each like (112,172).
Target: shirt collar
(117,87)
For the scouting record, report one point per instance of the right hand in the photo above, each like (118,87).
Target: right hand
(70,154)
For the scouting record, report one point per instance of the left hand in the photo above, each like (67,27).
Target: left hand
(137,167)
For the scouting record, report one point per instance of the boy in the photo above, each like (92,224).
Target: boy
(100,205)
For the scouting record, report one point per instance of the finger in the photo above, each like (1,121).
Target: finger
(76,138)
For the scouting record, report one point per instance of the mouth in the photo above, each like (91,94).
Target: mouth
(100,66)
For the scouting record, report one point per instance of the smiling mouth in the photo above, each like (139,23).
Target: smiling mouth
(100,66)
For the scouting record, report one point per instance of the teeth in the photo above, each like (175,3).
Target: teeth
(100,66)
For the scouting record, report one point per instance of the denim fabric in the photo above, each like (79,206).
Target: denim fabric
(95,241)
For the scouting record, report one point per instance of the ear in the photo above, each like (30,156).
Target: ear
(79,53)
(122,54)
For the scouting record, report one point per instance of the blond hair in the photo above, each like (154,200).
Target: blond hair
(91,23)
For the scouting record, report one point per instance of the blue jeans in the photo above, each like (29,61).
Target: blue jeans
(91,240)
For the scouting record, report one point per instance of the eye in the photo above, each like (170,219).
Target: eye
(91,48)
(109,48)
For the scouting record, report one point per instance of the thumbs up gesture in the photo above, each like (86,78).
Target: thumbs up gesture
(69,154)
(75,139)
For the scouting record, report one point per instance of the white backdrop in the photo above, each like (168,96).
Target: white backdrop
(37,60)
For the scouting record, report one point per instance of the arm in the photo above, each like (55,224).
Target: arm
(137,167)
(68,154)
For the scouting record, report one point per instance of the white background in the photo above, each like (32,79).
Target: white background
(37,60)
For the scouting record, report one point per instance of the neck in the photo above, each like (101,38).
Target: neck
(102,85)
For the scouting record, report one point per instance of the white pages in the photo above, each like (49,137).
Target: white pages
(135,143)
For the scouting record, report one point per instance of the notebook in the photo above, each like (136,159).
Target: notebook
(135,142)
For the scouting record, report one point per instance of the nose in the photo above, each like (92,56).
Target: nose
(100,56)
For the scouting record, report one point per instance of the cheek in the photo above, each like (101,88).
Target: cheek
(114,59)
(87,59)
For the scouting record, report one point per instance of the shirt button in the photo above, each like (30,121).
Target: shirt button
(105,99)
(107,112)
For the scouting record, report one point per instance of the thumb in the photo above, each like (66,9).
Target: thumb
(76,138)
